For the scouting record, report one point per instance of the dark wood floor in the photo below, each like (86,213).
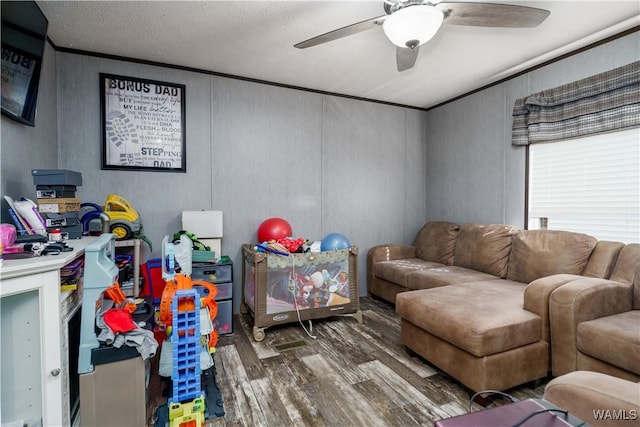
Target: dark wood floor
(351,375)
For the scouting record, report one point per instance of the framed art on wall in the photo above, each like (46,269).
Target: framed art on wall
(24,34)
(19,84)
(143,124)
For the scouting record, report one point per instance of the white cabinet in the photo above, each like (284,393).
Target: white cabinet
(34,370)
(31,380)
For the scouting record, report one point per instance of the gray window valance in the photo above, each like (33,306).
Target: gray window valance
(602,103)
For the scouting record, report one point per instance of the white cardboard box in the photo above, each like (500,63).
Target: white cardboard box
(204,224)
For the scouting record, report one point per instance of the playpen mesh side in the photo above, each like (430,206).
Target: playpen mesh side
(262,319)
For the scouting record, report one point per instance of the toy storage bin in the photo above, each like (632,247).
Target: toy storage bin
(315,284)
(225,290)
(212,272)
(221,275)
(224,318)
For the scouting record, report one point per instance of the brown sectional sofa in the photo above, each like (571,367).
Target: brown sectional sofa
(474,298)
(595,323)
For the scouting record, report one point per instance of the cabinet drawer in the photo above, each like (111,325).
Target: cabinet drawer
(213,273)
(225,290)
(224,320)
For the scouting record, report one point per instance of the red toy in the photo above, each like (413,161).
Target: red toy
(292,245)
(273,229)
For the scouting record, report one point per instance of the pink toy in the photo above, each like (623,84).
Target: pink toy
(7,234)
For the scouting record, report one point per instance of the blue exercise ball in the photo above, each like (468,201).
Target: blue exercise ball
(333,242)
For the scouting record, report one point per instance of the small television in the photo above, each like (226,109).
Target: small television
(24,33)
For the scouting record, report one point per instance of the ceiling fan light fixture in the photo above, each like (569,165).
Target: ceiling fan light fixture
(413,26)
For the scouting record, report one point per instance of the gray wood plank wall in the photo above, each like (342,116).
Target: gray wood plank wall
(254,151)
(373,172)
(473,172)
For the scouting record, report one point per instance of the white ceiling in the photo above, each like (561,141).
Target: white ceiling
(254,39)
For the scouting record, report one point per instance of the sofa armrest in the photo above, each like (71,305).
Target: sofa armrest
(537,294)
(387,252)
(580,301)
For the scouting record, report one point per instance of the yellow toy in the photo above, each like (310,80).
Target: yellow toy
(124,220)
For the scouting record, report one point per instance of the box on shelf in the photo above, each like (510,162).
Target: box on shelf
(55,191)
(204,224)
(203,256)
(59,205)
(56,177)
(61,219)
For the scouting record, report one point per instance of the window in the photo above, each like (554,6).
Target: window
(589,185)
(583,143)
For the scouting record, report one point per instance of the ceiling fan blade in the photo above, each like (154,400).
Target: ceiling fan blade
(342,32)
(492,14)
(406,57)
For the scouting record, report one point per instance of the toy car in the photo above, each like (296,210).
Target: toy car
(124,220)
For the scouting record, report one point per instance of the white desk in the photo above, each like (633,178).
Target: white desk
(33,361)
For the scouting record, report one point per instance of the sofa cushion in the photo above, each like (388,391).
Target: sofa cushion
(626,264)
(482,318)
(613,339)
(396,271)
(484,247)
(603,259)
(540,253)
(436,241)
(444,275)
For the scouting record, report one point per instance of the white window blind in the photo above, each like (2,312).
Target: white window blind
(588,185)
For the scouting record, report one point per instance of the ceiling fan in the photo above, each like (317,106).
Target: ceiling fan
(410,23)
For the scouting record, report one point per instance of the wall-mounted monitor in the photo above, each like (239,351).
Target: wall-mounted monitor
(24,33)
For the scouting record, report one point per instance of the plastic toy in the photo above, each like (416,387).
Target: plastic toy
(181,301)
(273,229)
(292,245)
(92,218)
(124,220)
(114,293)
(274,248)
(185,349)
(196,244)
(7,235)
(334,241)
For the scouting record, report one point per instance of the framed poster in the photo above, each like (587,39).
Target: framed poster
(20,76)
(143,124)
